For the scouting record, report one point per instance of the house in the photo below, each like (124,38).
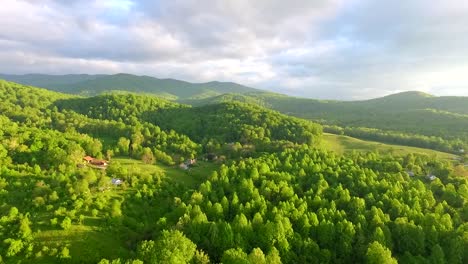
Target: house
(98,162)
(190,162)
(410,173)
(431,177)
(184,166)
(116,181)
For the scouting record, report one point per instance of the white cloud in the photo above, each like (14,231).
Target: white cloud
(323,49)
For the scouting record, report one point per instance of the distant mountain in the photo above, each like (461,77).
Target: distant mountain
(51,82)
(312,108)
(418,100)
(84,84)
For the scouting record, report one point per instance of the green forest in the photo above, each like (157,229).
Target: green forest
(409,118)
(136,178)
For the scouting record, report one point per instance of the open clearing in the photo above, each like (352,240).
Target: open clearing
(190,177)
(345,144)
(89,240)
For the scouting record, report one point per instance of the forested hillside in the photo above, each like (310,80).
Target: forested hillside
(237,122)
(125,178)
(410,118)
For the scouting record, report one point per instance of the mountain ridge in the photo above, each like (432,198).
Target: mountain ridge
(68,82)
(85,84)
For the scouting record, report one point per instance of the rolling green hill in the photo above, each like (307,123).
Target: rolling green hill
(237,122)
(408,114)
(84,84)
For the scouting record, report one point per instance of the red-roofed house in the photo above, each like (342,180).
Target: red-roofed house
(94,161)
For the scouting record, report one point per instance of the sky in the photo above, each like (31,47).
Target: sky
(325,49)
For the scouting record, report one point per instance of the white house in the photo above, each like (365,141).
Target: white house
(431,177)
(116,181)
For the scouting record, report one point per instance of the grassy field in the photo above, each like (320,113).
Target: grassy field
(344,144)
(190,177)
(89,239)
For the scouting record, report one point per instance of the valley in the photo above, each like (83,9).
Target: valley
(233,181)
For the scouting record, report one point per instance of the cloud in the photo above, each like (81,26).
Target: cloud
(323,49)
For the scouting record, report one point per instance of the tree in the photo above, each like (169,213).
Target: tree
(109,154)
(16,245)
(124,145)
(257,256)
(171,247)
(235,256)
(147,156)
(437,255)
(273,257)
(200,257)
(115,208)
(65,253)
(94,147)
(24,228)
(66,223)
(378,254)
(136,140)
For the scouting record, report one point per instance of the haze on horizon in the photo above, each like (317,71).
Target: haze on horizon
(332,49)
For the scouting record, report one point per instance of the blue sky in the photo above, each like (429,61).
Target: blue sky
(333,49)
